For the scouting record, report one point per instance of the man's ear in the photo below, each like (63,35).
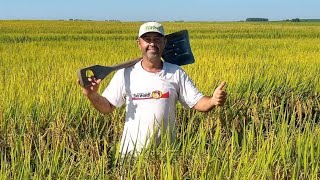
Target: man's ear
(138,43)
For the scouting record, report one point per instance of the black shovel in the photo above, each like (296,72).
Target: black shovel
(177,51)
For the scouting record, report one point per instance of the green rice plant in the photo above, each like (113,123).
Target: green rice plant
(268,128)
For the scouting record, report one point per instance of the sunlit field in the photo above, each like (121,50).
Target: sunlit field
(269,127)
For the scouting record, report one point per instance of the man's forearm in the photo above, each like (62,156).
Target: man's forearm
(205,104)
(100,103)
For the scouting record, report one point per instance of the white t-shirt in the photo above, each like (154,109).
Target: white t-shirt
(150,100)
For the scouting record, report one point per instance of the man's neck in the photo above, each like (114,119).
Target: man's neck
(152,65)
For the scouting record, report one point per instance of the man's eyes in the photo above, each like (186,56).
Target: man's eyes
(149,39)
(154,39)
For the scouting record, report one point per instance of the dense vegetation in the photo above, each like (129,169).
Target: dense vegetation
(268,129)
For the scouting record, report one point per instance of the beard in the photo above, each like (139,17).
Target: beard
(153,53)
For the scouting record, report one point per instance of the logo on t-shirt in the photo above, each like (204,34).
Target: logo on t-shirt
(156,94)
(150,95)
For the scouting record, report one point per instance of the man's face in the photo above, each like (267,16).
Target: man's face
(151,44)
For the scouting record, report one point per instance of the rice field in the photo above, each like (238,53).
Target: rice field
(268,129)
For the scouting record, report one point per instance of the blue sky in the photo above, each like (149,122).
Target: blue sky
(165,10)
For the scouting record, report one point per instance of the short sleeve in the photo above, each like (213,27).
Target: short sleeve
(115,92)
(189,95)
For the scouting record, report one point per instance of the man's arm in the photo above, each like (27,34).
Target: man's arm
(206,103)
(99,102)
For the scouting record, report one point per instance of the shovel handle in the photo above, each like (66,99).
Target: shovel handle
(83,77)
(101,72)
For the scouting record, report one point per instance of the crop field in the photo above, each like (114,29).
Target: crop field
(269,127)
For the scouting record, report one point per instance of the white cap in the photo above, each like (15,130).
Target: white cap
(151,27)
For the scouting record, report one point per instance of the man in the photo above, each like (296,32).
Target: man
(150,89)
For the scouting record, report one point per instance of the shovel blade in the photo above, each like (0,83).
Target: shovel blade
(177,50)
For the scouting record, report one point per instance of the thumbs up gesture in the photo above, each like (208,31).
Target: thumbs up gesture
(220,95)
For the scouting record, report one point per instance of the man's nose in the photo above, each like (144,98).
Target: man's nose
(151,43)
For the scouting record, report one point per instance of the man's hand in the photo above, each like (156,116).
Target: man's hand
(220,95)
(99,102)
(206,103)
(93,88)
